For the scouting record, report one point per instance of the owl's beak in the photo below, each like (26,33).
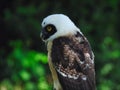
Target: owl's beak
(43,35)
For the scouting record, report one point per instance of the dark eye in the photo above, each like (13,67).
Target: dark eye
(49,28)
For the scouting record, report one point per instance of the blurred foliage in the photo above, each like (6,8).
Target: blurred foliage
(23,60)
(25,66)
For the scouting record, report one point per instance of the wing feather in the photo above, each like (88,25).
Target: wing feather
(74,62)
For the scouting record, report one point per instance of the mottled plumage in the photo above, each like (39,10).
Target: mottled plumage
(71,59)
(74,62)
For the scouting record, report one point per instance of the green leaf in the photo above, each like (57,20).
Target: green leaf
(28,10)
(106,69)
(41,57)
(25,75)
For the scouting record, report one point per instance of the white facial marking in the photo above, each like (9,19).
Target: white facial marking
(62,23)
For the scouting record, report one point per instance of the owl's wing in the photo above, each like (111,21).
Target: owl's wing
(73,60)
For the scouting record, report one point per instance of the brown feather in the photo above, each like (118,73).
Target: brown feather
(74,62)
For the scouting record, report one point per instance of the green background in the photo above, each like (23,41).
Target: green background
(23,55)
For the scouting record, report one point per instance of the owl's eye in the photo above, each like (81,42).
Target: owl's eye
(49,28)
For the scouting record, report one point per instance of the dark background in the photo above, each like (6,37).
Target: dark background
(23,56)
